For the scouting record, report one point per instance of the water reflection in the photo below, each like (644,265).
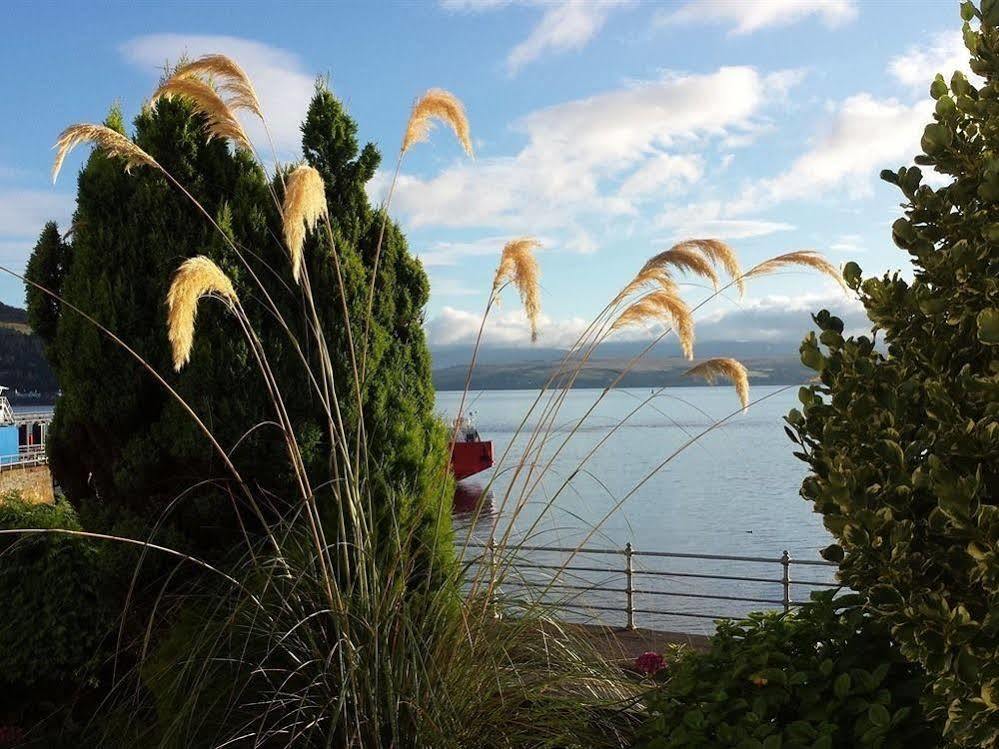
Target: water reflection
(473,505)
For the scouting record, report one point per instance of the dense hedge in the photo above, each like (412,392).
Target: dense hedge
(821,677)
(902,436)
(54,613)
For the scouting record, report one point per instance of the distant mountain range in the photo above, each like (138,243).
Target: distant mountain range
(23,366)
(774,363)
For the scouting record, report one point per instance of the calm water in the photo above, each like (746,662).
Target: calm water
(734,491)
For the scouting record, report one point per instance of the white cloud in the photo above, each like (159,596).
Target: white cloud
(707,219)
(664,171)
(918,66)
(503,328)
(782,317)
(443,253)
(747,16)
(590,159)
(23,213)
(865,135)
(449,287)
(761,319)
(282,84)
(564,25)
(849,244)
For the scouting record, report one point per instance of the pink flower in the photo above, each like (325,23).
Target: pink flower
(649,663)
(11,735)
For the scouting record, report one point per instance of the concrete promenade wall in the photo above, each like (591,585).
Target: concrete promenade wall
(35,483)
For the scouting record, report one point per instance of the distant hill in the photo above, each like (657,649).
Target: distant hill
(14,318)
(23,367)
(527,368)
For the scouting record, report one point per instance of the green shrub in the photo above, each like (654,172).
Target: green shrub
(54,615)
(903,438)
(819,677)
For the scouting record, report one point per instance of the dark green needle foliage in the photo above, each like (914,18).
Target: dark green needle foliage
(119,435)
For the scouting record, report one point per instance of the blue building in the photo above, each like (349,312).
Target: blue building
(9,433)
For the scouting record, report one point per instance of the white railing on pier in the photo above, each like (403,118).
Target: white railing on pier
(28,456)
(656,589)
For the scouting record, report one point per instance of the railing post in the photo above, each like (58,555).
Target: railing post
(629,587)
(785,560)
(491,553)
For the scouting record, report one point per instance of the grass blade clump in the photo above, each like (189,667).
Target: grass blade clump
(109,141)
(731,369)
(304,205)
(437,104)
(195,279)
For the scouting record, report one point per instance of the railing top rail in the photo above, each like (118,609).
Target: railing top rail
(666,554)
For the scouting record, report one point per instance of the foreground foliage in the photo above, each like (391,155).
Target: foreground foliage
(903,438)
(819,677)
(54,610)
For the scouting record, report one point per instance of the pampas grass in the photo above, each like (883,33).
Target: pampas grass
(723,255)
(437,104)
(196,278)
(229,80)
(685,257)
(806,258)
(519,267)
(220,121)
(304,206)
(690,255)
(110,141)
(712,369)
(658,307)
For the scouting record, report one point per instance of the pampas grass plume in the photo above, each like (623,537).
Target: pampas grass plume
(519,267)
(196,278)
(110,141)
(685,257)
(221,122)
(304,205)
(662,306)
(806,258)
(723,255)
(733,370)
(437,104)
(229,79)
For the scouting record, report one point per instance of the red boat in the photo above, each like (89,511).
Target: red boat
(470,454)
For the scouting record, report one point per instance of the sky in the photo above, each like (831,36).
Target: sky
(608,129)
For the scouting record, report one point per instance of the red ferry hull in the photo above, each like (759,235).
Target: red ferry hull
(470,458)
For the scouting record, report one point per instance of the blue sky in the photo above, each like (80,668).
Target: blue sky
(609,129)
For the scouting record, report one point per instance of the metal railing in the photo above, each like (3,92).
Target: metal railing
(29,456)
(642,578)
